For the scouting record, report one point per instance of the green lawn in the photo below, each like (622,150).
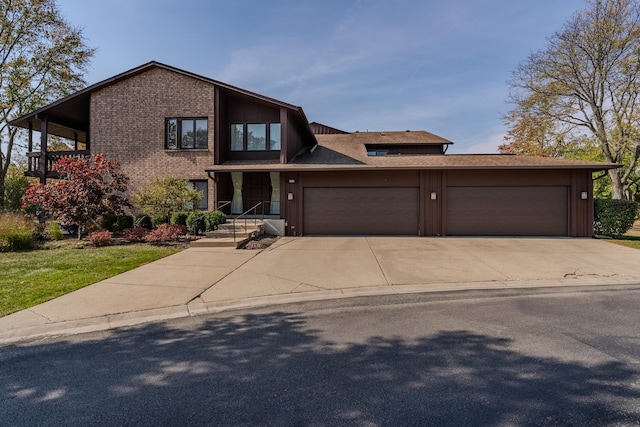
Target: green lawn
(33,277)
(631,239)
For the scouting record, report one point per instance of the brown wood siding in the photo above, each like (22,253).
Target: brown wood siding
(361,211)
(507,211)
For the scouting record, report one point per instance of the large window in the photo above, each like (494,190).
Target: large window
(255,136)
(203,188)
(186,133)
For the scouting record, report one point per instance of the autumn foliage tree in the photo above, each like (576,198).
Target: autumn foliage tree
(42,58)
(87,189)
(584,87)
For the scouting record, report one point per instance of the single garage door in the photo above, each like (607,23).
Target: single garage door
(507,211)
(361,211)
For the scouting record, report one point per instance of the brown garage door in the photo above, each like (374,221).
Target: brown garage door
(363,211)
(507,211)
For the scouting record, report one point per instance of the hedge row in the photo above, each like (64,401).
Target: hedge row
(614,217)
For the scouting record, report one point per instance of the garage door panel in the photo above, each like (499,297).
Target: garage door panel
(507,211)
(370,211)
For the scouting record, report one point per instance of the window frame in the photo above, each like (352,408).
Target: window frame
(245,137)
(205,195)
(179,133)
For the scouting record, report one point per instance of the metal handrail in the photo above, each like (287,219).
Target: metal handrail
(255,220)
(222,204)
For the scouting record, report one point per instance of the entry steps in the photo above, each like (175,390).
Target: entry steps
(223,236)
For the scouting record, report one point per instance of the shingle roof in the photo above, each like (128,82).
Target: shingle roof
(348,152)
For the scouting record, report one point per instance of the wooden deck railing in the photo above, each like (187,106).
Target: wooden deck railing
(34,159)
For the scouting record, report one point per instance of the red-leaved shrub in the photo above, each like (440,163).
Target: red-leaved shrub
(165,233)
(100,238)
(135,234)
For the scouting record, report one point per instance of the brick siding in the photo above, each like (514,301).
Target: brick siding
(128,125)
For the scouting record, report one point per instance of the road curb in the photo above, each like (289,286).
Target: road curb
(198,308)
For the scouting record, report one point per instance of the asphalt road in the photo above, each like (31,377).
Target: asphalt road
(537,357)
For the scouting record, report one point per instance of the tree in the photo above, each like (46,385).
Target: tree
(163,196)
(584,84)
(15,186)
(42,58)
(88,189)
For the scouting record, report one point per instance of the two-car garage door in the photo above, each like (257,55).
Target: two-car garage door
(468,211)
(361,211)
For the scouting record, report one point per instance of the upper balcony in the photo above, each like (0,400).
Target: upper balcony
(43,165)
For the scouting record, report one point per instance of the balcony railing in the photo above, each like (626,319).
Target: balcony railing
(34,161)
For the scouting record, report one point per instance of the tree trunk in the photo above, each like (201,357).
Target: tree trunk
(2,191)
(617,187)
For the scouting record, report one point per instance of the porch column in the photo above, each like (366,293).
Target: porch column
(236,202)
(44,138)
(275,192)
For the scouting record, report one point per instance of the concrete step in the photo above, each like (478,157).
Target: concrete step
(216,242)
(223,234)
(239,225)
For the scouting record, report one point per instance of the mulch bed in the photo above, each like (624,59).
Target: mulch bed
(260,242)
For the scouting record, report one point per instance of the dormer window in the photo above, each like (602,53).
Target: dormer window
(395,149)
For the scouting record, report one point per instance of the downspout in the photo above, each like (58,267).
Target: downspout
(212,177)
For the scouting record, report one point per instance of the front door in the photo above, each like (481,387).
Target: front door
(256,188)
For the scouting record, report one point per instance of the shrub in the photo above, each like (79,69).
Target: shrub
(614,217)
(100,238)
(135,234)
(159,219)
(108,222)
(123,222)
(143,220)
(53,231)
(179,218)
(165,233)
(213,219)
(16,233)
(196,222)
(116,223)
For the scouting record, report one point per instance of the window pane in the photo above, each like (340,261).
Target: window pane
(274,136)
(201,186)
(237,137)
(172,133)
(187,139)
(256,137)
(201,133)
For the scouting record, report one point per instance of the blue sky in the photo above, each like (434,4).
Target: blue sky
(440,66)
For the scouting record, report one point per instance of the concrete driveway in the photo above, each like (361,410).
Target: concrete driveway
(349,264)
(207,280)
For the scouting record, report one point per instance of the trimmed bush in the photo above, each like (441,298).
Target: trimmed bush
(159,219)
(165,233)
(53,231)
(143,220)
(100,238)
(213,219)
(116,223)
(614,217)
(135,234)
(123,222)
(179,218)
(196,222)
(16,233)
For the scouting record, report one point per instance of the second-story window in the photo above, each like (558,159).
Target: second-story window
(255,136)
(188,133)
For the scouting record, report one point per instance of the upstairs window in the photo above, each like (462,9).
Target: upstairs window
(184,134)
(255,137)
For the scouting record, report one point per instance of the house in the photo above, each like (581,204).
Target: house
(243,150)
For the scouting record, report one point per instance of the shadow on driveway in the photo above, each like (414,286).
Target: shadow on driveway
(273,369)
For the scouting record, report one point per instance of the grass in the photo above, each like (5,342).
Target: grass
(631,239)
(32,277)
